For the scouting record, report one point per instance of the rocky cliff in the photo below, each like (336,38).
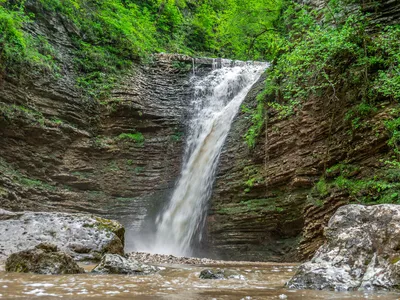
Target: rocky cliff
(60,151)
(272,202)
(264,206)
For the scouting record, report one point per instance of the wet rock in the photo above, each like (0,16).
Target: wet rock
(170,259)
(43,259)
(362,252)
(84,237)
(211,274)
(116,264)
(219,274)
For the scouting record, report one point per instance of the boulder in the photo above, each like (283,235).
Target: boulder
(82,236)
(219,274)
(362,252)
(116,264)
(43,259)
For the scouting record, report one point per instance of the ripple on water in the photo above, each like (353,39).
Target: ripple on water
(175,284)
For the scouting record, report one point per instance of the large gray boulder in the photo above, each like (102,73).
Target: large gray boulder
(362,252)
(84,237)
(43,259)
(116,264)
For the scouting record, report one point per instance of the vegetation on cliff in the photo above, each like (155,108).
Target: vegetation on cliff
(108,35)
(337,54)
(327,52)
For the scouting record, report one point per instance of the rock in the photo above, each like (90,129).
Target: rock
(219,274)
(116,264)
(84,237)
(43,259)
(170,259)
(211,274)
(362,252)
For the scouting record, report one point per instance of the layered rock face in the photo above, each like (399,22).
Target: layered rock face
(361,252)
(264,206)
(60,151)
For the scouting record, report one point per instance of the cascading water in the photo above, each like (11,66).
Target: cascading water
(216,100)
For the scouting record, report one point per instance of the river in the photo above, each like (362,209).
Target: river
(253,281)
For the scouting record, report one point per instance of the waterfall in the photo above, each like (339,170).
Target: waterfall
(216,101)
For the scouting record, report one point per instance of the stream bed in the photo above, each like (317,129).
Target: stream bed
(254,281)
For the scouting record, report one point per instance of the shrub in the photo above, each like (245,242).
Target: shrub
(136,137)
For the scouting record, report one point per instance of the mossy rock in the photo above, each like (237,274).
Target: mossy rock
(43,259)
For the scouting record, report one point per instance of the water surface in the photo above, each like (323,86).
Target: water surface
(254,281)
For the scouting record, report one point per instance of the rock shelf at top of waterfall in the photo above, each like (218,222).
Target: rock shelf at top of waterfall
(216,100)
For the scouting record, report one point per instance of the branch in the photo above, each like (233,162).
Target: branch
(255,37)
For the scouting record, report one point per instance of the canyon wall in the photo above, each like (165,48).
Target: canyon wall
(60,151)
(266,204)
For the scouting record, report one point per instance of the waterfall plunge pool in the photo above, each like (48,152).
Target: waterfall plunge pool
(255,281)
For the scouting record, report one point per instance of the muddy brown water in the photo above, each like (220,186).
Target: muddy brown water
(254,281)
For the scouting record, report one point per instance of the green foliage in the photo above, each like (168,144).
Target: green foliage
(18,49)
(321,187)
(182,66)
(252,176)
(321,58)
(327,53)
(246,28)
(356,114)
(283,110)
(100,69)
(17,113)
(114,33)
(26,182)
(177,136)
(112,167)
(138,170)
(136,137)
(257,121)
(383,187)
(110,34)
(251,207)
(393,126)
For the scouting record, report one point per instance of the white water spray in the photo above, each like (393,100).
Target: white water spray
(216,101)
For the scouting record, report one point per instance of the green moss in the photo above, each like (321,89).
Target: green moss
(321,187)
(252,176)
(177,136)
(110,226)
(393,127)
(138,170)
(394,260)
(251,207)
(112,167)
(136,137)
(20,49)
(82,175)
(256,117)
(382,187)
